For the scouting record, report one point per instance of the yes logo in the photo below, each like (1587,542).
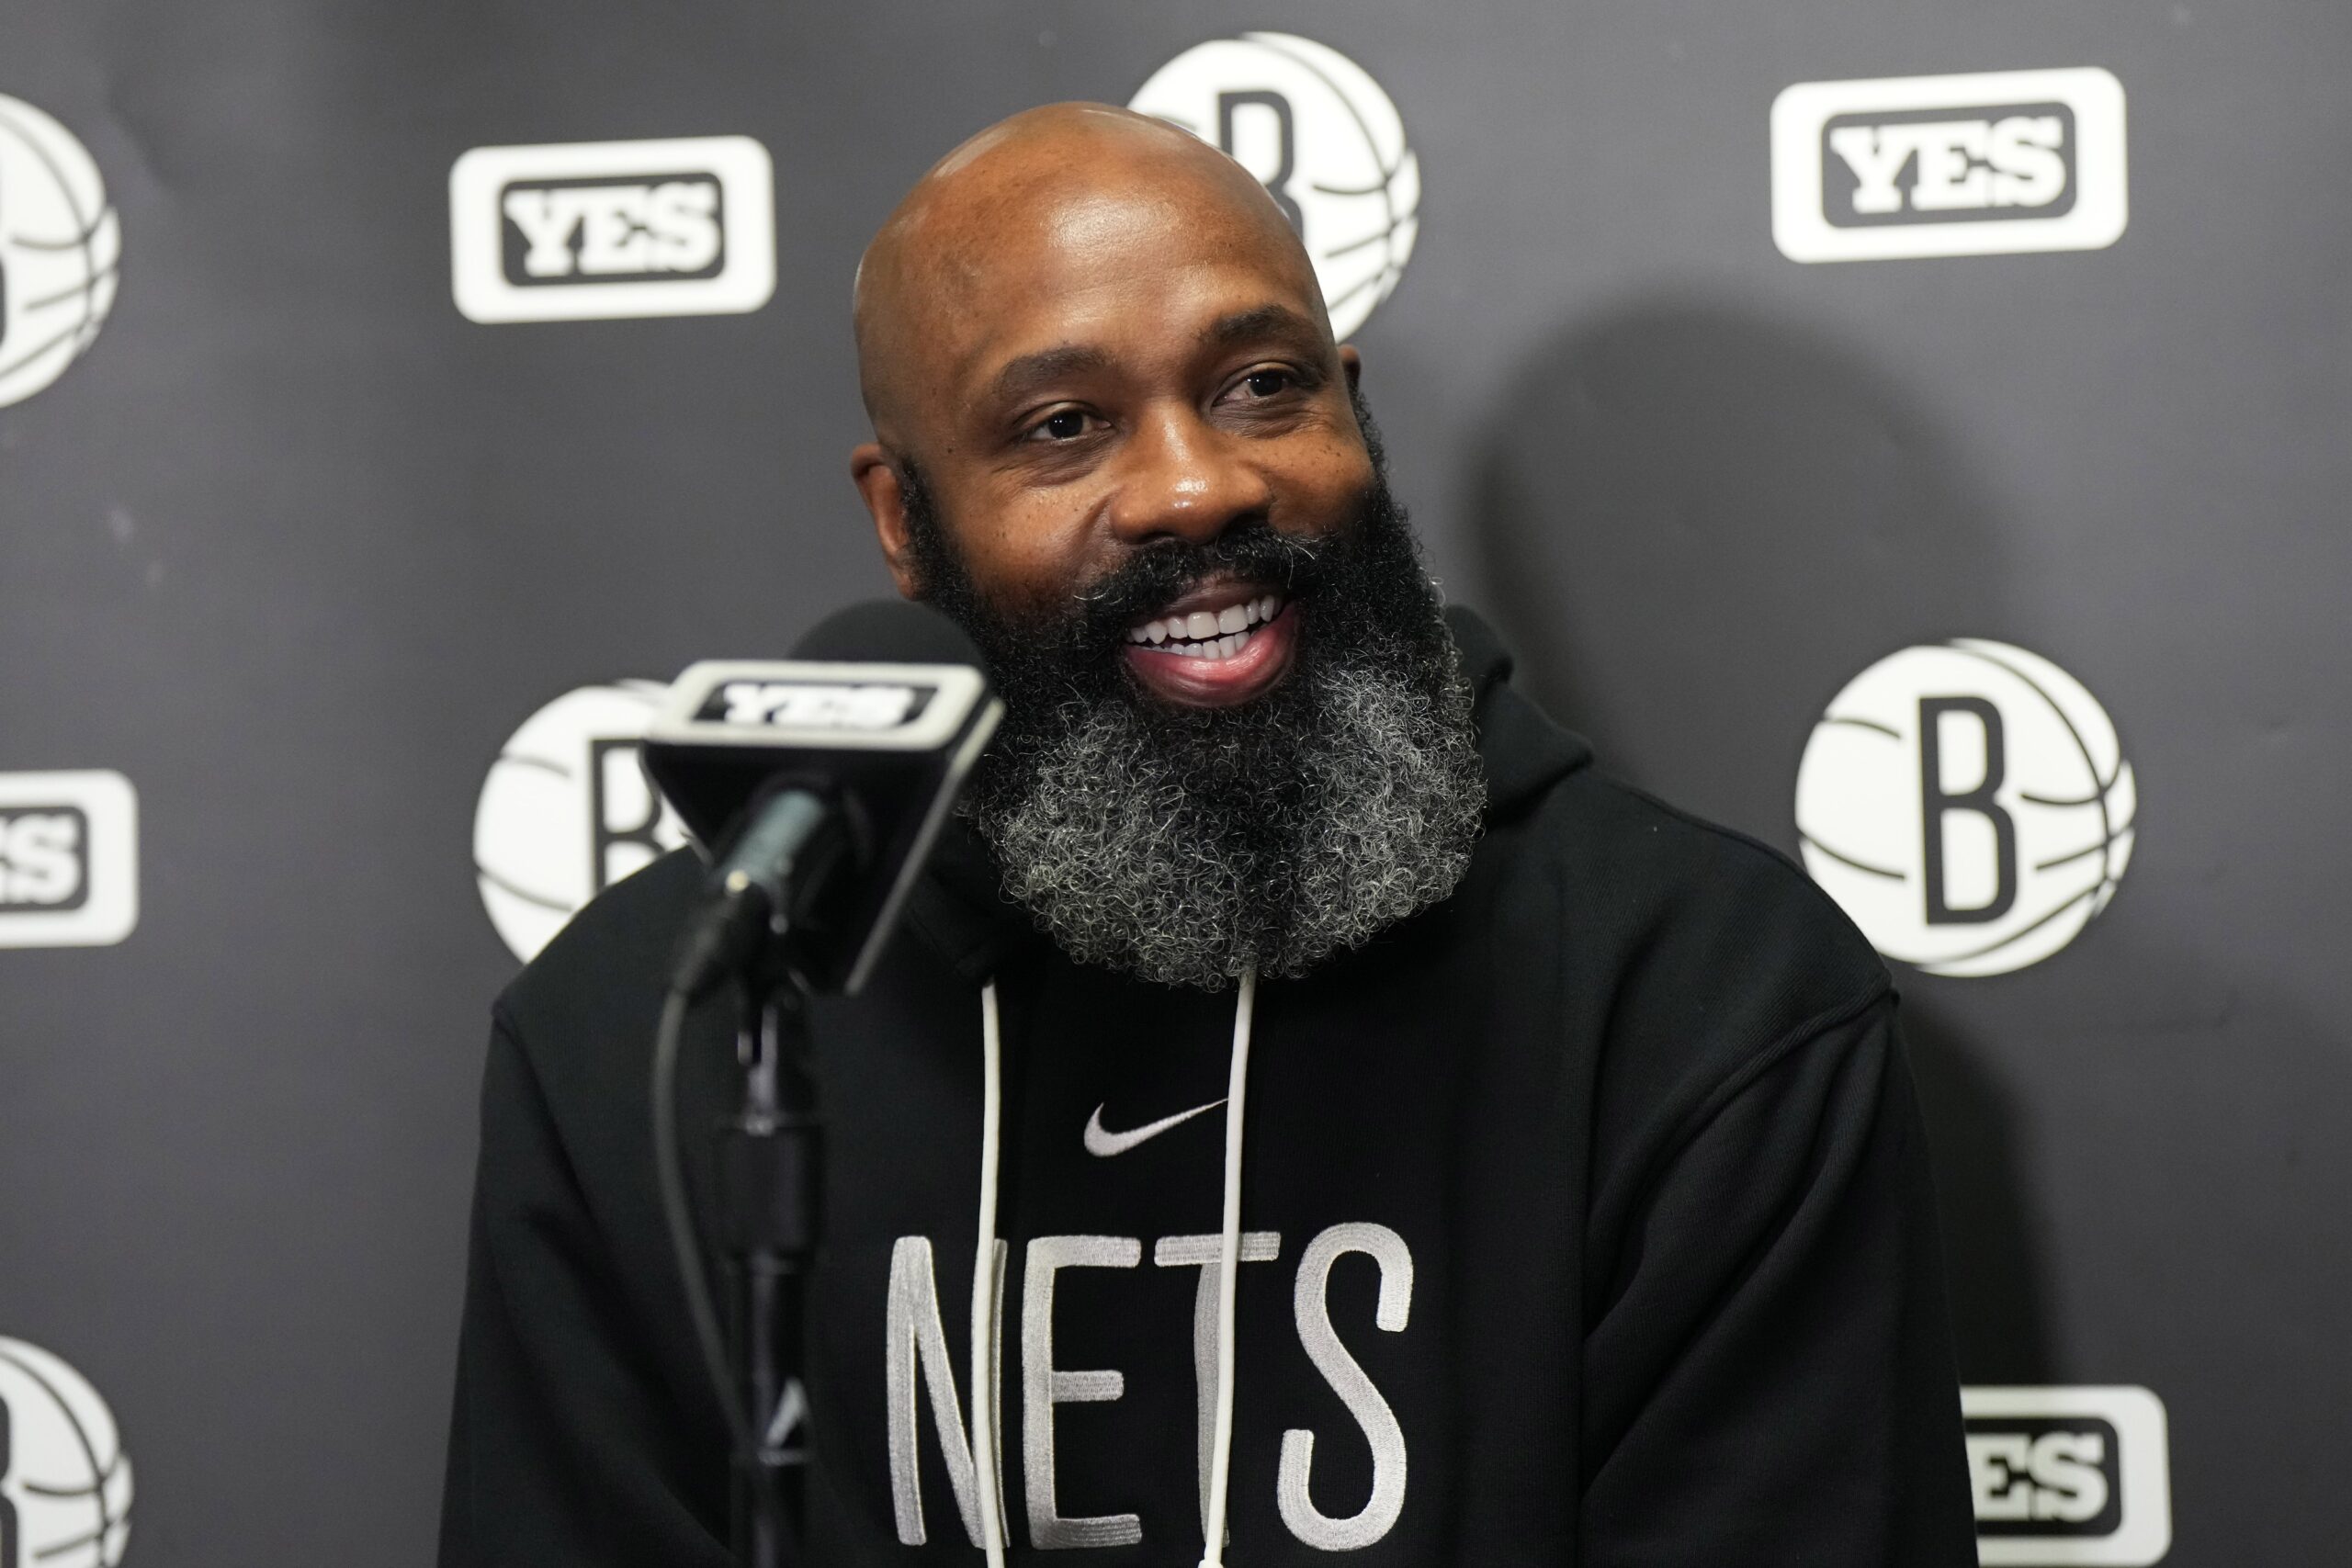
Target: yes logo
(69,858)
(1957,167)
(1968,805)
(612,230)
(816,704)
(679,227)
(2068,1475)
(1949,165)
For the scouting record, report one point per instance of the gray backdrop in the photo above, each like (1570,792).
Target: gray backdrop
(295,547)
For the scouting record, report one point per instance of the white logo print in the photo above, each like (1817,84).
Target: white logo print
(1326,141)
(600,230)
(64,1480)
(1969,806)
(1949,165)
(566,812)
(818,705)
(1103,1144)
(69,858)
(917,1362)
(2065,1477)
(60,245)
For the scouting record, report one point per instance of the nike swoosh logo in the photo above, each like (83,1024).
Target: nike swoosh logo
(1103,1144)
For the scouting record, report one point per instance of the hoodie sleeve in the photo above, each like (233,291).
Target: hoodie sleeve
(563,1446)
(1770,1375)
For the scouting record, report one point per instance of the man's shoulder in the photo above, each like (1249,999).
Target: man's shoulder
(1637,876)
(1689,879)
(1629,861)
(1707,949)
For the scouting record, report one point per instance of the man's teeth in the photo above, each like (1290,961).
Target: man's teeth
(1208,634)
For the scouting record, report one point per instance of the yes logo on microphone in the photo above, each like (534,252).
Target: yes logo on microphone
(567,811)
(1324,139)
(1968,805)
(817,704)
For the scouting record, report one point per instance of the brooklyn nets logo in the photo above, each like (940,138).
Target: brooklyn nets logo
(60,245)
(64,1480)
(1325,140)
(1968,803)
(566,812)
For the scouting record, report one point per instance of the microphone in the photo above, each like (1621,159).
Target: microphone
(816,785)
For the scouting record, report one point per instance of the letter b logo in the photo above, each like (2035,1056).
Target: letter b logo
(1939,802)
(1968,805)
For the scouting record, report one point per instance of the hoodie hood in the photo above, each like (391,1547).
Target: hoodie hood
(960,908)
(1524,752)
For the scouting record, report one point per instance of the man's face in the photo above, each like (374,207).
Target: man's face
(1131,370)
(1115,442)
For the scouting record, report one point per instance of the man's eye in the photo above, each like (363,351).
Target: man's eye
(1066,426)
(1268,383)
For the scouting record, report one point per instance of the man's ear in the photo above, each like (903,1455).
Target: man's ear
(1351,363)
(876,473)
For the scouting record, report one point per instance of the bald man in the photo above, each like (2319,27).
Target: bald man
(1355,1124)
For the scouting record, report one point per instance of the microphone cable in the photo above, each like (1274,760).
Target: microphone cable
(669,1171)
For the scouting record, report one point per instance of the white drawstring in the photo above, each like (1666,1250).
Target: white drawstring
(1229,1273)
(984,1289)
(985,1460)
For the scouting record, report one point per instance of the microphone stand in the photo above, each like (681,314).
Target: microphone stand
(770,1165)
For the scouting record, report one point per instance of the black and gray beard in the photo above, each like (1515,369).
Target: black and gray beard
(1185,845)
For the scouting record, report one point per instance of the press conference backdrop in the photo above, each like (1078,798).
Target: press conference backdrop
(1916,435)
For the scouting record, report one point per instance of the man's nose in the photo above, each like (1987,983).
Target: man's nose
(1185,479)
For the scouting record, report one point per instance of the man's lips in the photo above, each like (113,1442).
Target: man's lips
(1219,644)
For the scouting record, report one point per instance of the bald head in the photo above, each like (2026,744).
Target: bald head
(1056,198)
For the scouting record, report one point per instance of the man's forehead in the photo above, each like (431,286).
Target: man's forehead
(1104,274)
(1046,216)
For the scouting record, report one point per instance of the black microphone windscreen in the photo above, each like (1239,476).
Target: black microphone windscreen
(887,631)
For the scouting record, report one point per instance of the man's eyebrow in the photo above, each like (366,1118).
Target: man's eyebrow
(1023,375)
(1260,321)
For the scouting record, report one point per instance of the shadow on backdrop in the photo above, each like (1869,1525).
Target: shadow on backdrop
(1695,524)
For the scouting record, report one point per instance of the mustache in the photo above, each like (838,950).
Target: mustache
(1160,573)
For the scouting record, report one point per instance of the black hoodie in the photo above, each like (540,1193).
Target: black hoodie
(1584,1220)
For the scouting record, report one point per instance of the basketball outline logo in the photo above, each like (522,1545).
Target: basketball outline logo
(1340,167)
(566,811)
(65,1482)
(1968,805)
(61,249)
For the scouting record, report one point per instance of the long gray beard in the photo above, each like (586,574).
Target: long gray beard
(1275,846)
